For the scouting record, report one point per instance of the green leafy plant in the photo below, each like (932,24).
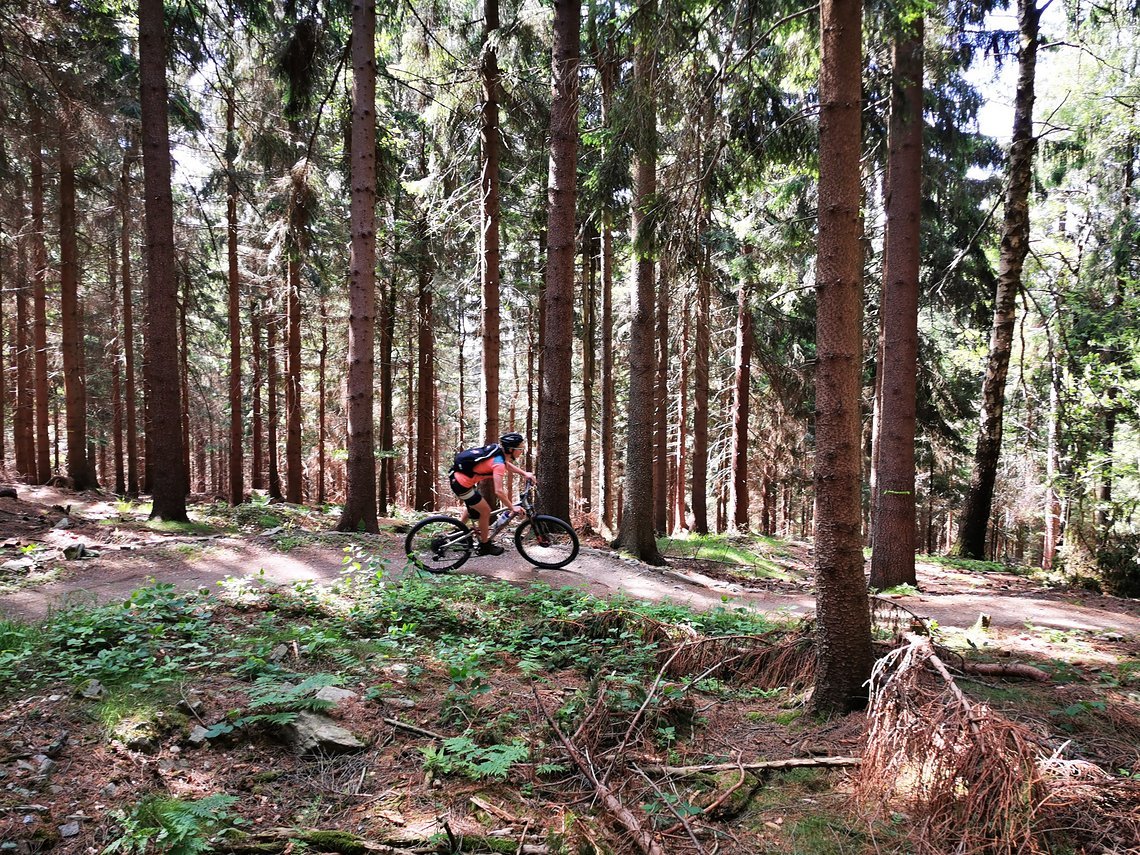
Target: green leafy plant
(173,826)
(461,755)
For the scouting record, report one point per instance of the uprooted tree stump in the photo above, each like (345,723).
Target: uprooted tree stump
(972,780)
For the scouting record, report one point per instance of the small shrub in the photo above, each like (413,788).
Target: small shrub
(1119,566)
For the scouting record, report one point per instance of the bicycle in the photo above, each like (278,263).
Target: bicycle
(440,543)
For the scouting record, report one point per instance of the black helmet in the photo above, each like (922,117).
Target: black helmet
(511,440)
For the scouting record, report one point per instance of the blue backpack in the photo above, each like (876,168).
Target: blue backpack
(466,461)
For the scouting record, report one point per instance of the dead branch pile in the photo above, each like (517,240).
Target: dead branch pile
(1085,803)
(966,775)
(766,661)
(973,781)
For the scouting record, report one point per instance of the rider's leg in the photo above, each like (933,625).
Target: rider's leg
(483,520)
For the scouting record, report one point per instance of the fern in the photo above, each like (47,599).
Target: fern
(173,826)
(460,755)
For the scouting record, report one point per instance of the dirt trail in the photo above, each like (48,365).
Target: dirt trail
(128,562)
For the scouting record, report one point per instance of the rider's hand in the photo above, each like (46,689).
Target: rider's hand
(517,510)
(530,477)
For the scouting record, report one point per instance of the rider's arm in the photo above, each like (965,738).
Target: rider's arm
(519,471)
(501,491)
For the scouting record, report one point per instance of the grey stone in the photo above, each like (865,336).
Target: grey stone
(47,765)
(69,829)
(278,653)
(18,565)
(198,736)
(93,690)
(397,669)
(335,695)
(64,523)
(191,703)
(399,703)
(312,733)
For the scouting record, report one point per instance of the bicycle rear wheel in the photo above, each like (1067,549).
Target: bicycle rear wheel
(439,544)
(546,542)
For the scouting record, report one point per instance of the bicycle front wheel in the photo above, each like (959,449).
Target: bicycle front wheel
(546,542)
(439,544)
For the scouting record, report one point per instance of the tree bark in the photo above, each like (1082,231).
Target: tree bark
(589,362)
(558,295)
(271,404)
(387,334)
(661,395)
(893,520)
(1110,355)
(169,484)
(129,389)
(425,394)
(39,302)
(490,219)
(237,411)
(635,532)
(360,499)
(296,249)
(843,636)
(607,72)
(703,324)
(680,518)
(257,447)
(741,398)
(75,384)
(1014,247)
(184,363)
(25,398)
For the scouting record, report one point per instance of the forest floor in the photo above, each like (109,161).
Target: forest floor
(278,568)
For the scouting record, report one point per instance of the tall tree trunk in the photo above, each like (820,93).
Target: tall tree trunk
(257,447)
(25,427)
(1014,247)
(843,635)
(893,517)
(271,404)
(741,398)
(237,411)
(297,225)
(589,362)
(558,295)
(169,484)
(1052,508)
(387,336)
(635,533)
(703,324)
(425,395)
(184,363)
(680,517)
(360,500)
(130,403)
(39,302)
(607,72)
(1109,355)
(322,393)
(489,231)
(661,396)
(75,384)
(608,482)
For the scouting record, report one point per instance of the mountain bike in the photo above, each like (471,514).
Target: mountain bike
(439,544)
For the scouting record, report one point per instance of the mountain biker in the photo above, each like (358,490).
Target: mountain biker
(482,464)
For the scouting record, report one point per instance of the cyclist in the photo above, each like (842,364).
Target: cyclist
(476,465)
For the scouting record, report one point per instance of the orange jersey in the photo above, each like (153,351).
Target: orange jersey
(484,469)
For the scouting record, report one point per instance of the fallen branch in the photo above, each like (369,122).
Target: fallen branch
(271,841)
(411,728)
(495,810)
(620,812)
(758,766)
(1014,671)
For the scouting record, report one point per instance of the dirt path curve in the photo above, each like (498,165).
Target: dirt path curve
(192,562)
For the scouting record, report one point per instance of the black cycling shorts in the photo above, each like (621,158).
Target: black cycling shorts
(469,495)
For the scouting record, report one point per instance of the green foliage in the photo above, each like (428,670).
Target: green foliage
(173,826)
(461,755)
(1119,565)
(149,639)
(751,552)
